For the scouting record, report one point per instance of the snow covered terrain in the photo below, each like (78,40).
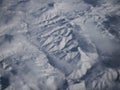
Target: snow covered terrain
(59,44)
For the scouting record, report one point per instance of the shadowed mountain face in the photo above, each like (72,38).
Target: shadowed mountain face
(1,1)
(59,45)
(4,82)
(94,3)
(112,24)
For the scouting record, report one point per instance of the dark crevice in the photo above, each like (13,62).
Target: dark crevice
(5,82)
(8,37)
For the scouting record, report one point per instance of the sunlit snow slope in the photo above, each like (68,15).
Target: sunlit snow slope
(59,45)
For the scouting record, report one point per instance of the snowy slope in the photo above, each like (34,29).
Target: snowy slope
(59,45)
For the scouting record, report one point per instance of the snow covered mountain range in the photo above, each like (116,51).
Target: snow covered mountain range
(59,45)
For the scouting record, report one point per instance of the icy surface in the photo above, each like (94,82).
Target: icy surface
(59,45)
